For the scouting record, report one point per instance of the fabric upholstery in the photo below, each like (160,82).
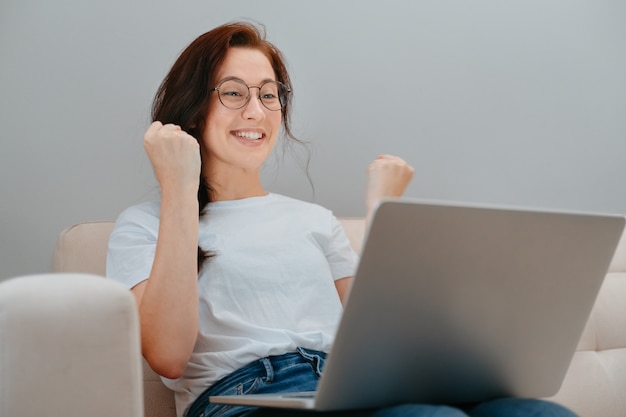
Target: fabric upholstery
(83,248)
(594,385)
(69,346)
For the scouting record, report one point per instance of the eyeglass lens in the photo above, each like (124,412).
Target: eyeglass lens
(235,94)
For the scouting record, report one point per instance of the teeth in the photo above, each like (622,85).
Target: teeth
(249,135)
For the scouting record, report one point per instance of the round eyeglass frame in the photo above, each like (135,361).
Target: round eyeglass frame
(283,93)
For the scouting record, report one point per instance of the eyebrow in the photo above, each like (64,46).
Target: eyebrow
(232,78)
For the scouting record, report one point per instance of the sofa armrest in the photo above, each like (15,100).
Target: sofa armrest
(69,346)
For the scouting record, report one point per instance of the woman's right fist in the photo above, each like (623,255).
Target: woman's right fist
(174,155)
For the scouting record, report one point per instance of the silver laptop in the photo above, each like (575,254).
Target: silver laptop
(455,303)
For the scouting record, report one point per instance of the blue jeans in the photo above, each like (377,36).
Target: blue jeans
(300,371)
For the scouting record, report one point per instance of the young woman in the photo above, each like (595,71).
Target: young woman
(240,290)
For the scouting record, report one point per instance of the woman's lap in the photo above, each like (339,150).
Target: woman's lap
(520,407)
(301,370)
(413,410)
(506,407)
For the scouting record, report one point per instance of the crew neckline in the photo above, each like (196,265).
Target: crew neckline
(248,201)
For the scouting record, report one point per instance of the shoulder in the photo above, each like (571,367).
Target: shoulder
(144,215)
(147,208)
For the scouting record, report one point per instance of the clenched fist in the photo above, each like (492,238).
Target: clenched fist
(388,176)
(175,156)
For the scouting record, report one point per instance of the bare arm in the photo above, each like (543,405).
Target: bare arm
(343,288)
(168,299)
(388,176)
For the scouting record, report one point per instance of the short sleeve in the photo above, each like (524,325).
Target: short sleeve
(132,244)
(342,259)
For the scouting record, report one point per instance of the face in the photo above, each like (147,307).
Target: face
(242,138)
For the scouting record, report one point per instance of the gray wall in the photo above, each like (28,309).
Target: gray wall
(495,101)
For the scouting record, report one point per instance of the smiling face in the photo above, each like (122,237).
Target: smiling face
(240,140)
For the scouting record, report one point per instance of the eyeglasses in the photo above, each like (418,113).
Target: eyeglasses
(235,94)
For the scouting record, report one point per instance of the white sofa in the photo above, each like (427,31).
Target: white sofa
(595,385)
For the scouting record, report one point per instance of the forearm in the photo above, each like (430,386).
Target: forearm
(168,306)
(371,202)
(388,177)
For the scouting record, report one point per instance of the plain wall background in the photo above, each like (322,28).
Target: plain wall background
(495,101)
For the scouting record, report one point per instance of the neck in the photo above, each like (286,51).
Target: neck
(239,194)
(235,185)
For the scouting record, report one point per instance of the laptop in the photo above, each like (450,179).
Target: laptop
(460,303)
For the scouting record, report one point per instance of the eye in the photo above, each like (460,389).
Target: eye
(231,93)
(269,91)
(233,89)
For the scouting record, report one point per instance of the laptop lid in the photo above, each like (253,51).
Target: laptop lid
(456,303)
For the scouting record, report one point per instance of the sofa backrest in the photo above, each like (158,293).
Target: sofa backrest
(83,247)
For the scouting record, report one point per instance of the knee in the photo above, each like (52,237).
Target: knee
(521,407)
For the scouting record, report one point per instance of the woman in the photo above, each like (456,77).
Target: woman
(230,279)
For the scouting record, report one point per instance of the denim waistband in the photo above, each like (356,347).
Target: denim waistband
(314,357)
(280,373)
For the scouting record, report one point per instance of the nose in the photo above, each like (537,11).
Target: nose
(254,109)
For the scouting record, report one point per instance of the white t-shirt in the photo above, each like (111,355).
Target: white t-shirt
(268,289)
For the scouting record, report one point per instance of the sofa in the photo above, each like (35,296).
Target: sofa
(594,386)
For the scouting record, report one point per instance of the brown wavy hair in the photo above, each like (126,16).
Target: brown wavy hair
(184,96)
